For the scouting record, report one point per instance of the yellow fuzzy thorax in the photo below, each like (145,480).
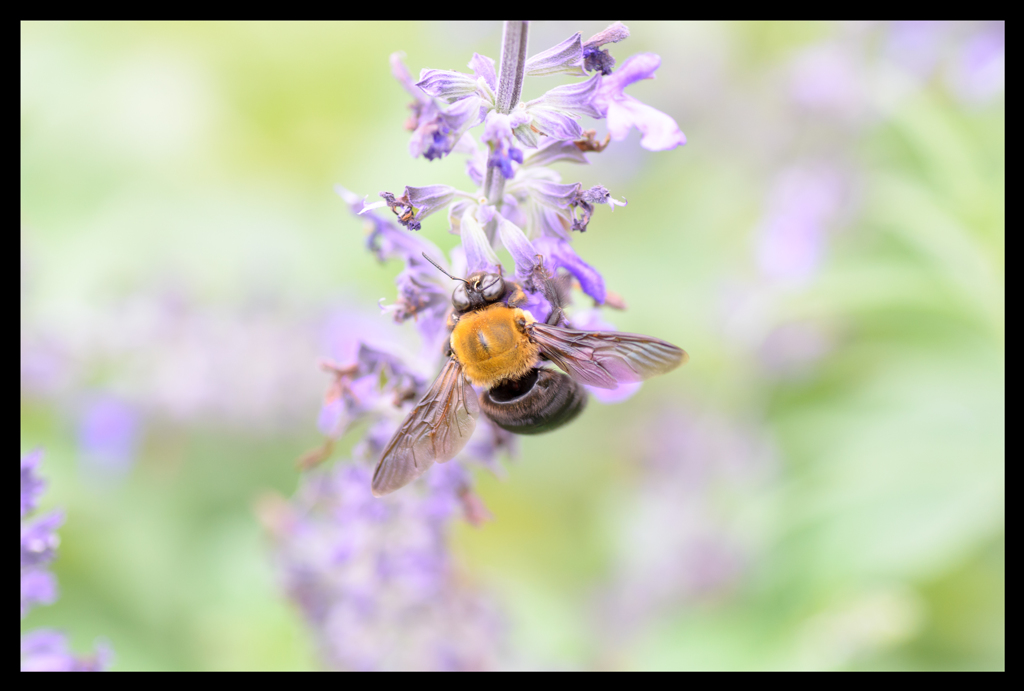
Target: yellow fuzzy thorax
(491,346)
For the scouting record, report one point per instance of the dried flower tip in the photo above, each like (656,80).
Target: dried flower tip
(473,508)
(417,203)
(315,457)
(597,60)
(614,300)
(589,143)
(583,205)
(611,34)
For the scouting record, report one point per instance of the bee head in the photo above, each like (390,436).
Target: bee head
(481,288)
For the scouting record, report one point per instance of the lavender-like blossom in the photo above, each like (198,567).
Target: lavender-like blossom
(374,578)
(44,650)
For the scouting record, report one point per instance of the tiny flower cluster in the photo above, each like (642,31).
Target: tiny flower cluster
(520,203)
(44,649)
(375,580)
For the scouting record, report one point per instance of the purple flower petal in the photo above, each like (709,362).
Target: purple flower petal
(514,240)
(449,86)
(553,194)
(554,150)
(555,123)
(573,100)
(660,132)
(483,68)
(564,58)
(480,255)
(558,254)
(427,200)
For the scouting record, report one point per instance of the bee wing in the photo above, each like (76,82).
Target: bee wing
(436,429)
(605,358)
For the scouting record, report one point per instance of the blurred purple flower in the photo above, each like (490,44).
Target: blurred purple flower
(791,236)
(32,485)
(828,78)
(675,547)
(108,433)
(979,73)
(791,349)
(44,650)
(916,45)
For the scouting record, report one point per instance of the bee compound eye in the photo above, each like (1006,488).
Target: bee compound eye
(493,288)
(459,297)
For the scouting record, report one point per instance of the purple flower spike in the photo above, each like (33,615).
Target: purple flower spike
(597,60)
(559,254)
(660,132)
(564,58)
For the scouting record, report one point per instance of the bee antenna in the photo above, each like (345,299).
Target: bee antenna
(454,278)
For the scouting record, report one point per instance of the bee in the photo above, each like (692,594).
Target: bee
(501,348)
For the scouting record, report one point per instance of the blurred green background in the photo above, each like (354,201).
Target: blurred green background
(183,252)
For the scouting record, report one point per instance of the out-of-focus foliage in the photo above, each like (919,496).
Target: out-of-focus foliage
(820,487)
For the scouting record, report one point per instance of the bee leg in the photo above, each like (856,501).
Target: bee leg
(516,297)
